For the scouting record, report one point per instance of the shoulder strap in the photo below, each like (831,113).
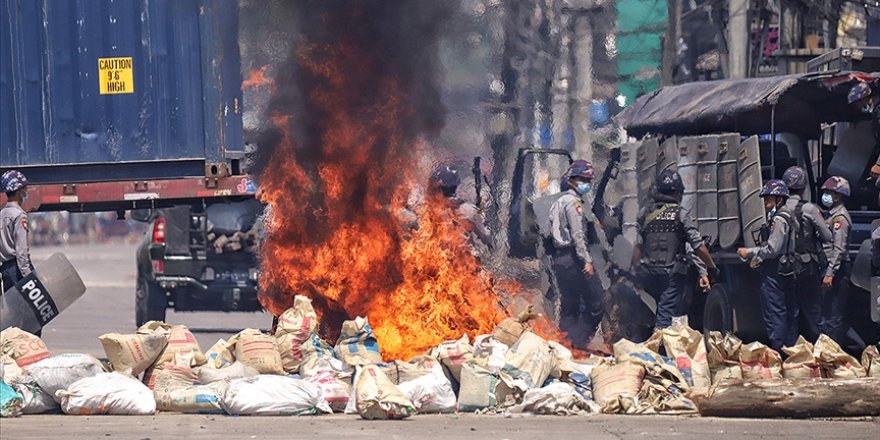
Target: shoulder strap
(656,213)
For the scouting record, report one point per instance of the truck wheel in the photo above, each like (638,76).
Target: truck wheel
(717,314)
(150,303)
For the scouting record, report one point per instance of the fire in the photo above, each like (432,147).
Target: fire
(334,233)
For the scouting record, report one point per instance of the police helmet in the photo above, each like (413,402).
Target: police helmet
(837,185)
(776,188)
(12,181)
(859,91)
(446,176)
(795,178)
(580,168)
(669,181)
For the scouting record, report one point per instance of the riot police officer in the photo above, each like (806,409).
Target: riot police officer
(572,263)
(446,181)
(15,259)
(777,259)
(812,234)
(835,278)
(665,231)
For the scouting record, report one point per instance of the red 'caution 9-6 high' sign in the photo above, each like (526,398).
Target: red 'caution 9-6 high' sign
(115,75)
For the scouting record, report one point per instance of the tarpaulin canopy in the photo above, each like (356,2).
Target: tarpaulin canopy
(789,103)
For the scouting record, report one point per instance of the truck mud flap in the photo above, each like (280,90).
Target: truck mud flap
(729,229)
(646,164)
(667,155)
(687,168)
(628,186)
(750,206)
(707,186)
(41,296)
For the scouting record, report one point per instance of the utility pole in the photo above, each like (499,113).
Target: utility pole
(583,83)
(738,37)
(670,43)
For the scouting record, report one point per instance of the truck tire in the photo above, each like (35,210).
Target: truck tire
(717,314)
(150,302)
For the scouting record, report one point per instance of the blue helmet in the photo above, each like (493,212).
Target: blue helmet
(580,168)
(669,181)
(795,178)
(445,176)
(12,181)
(776,188)
(859,91)
(838,185)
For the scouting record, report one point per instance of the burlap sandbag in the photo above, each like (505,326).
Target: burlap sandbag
(133,352)
(196,399)
(509,330)
(258,351)
(378,398)
(871,361)
(611,381)
(221,354)
(723,357)
(759,361)
(315,352)
(686,348)
(801,362)
(295,327)
(180,342)
(170,379)
(356,344)
(300,319)
(646,356)
(480,388)
(9,369)
(835,362)
(528,363)
(453,354)
(22,346)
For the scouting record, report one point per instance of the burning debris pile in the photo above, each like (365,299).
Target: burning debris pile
(352,112)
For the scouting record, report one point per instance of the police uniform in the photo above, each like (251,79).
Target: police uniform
(812,235)
(15,259)
(838,267)
(570,255)
(778,301)
(665,228)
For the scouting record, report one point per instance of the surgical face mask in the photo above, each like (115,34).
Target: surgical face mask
(584,187)
(771,213)
(827,200)
(868,108)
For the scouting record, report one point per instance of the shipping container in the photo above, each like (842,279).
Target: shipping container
(121,97)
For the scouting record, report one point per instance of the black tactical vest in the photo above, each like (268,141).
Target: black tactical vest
(663,236)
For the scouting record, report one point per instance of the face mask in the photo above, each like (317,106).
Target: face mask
(771,213)
(868,108)
(827,200)
(584,187)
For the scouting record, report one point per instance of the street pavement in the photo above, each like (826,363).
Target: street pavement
(108,306)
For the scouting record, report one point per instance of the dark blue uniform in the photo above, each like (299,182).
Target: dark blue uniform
(778,300)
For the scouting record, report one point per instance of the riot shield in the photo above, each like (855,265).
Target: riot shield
(728,198)
(38,298)
(687,168)
(751,207)
(628,185)
(707,186)
(646,165)
(667,155)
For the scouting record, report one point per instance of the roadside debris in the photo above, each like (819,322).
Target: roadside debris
(295,372)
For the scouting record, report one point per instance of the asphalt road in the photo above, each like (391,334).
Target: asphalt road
(108,271)
(108,306)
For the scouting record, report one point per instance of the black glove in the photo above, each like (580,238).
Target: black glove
(714,274)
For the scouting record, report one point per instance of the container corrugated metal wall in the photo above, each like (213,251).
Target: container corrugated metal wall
(184,108)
